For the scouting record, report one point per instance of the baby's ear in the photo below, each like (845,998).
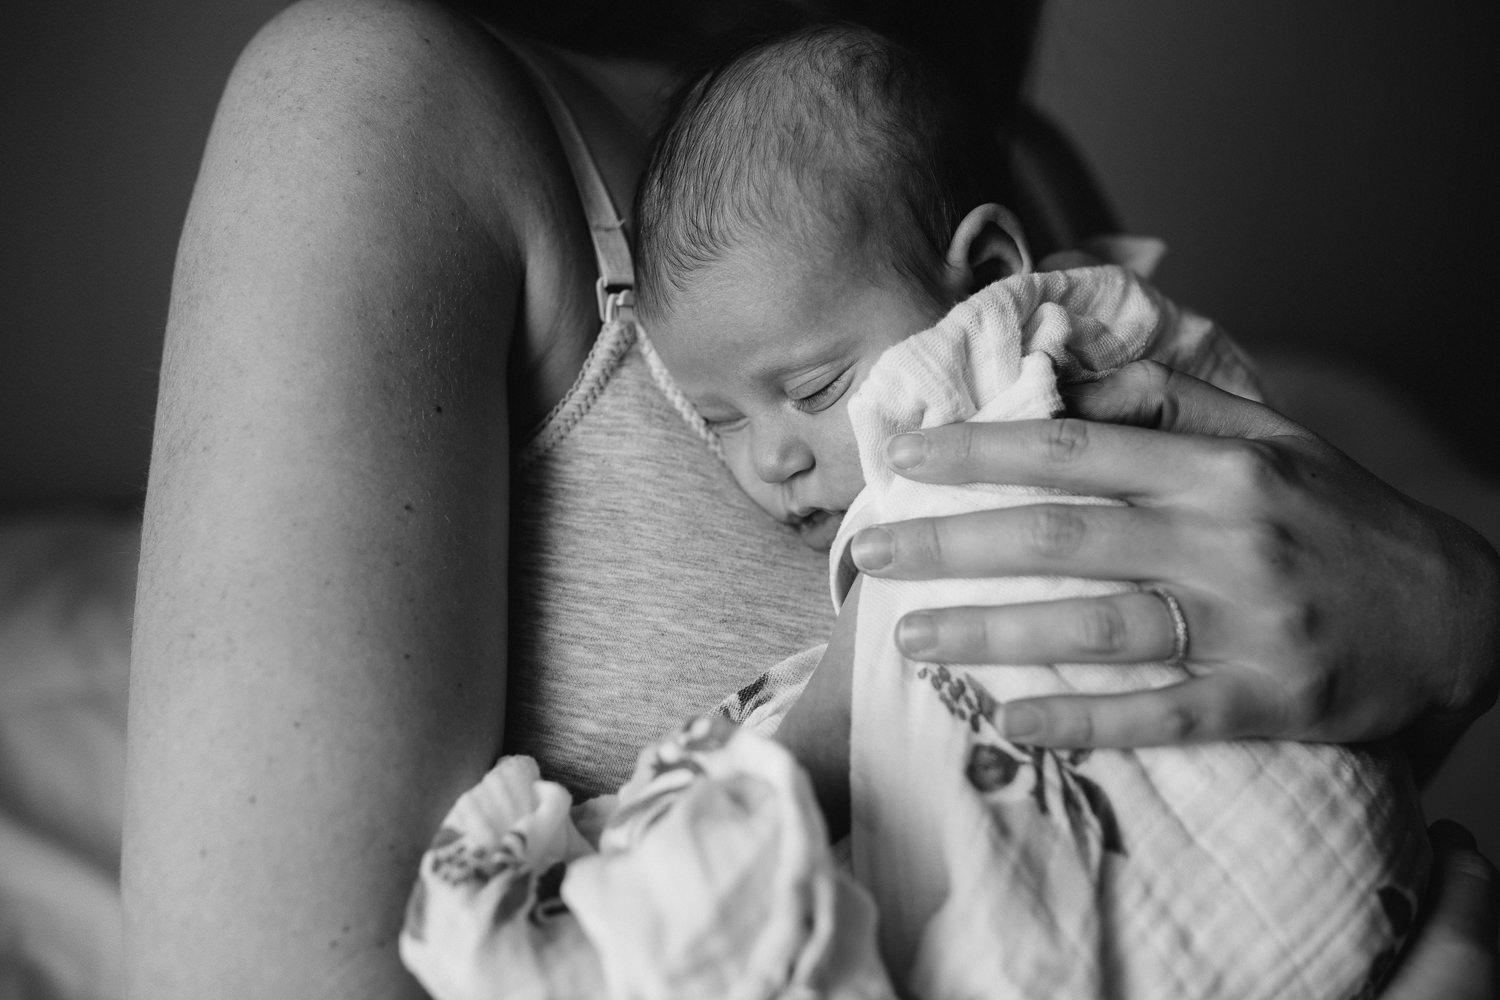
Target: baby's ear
(987,245)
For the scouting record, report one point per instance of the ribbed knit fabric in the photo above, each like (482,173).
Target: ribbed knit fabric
(645,587)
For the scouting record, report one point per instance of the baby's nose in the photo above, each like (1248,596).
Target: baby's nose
(779,456)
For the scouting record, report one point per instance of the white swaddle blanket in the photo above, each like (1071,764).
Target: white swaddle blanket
(1246,870)
(1249,869)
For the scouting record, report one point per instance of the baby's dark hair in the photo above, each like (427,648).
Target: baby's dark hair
(830,130)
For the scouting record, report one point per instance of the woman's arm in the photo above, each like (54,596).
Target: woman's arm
(1321,603)
(319,638)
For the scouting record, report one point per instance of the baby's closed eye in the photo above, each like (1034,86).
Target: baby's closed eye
(725,425)
(825,395)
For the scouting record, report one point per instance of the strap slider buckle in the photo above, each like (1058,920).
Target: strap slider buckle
(616,302)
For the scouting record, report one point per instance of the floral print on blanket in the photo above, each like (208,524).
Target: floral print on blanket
(1006,773)
(459,861)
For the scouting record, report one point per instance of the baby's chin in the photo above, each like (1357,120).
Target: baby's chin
(819,529)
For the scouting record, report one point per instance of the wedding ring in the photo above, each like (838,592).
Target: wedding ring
(1179,625)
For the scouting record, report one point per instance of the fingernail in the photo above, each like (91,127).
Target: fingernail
(906,450)
(916,633)
(873,549)
(1020,722)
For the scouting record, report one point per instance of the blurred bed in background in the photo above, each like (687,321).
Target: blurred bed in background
(1317,170)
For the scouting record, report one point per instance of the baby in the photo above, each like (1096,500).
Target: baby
(821,266)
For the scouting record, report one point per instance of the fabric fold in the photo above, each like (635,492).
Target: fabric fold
(711,877)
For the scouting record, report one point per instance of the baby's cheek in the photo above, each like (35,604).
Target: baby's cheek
(766,496)
(842,466)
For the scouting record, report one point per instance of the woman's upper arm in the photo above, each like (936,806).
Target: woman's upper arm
(319,638)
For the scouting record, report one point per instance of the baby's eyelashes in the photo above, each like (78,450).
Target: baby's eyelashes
(725,425)
(826,395)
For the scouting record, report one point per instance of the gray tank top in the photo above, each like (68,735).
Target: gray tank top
(644,586)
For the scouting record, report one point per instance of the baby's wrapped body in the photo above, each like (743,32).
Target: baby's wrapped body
(1244,870)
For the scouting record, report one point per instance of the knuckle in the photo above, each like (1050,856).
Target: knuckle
(1101,628)
(1065,441)
(1178,724)
(1055,532)
(966,635)
(1298,623)
(1134,394)
(963,446)
(1070,726)
(919,545)
(1253,468)
(1272,547)
(1313,699)
(1267,550)
(1147,377)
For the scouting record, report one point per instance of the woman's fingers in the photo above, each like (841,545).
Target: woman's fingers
(1121,628)
(1201,709)
(1296,571)
(1115,449)
(1067,454)
(1133,627)
(1454,952)
(1149,394)
(1086,540)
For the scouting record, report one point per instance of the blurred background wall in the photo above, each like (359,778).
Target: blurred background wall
(1322,172)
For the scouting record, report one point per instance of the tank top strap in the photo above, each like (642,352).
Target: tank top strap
(615,288)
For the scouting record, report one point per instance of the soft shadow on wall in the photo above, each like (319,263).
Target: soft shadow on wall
(1323,173)
(106,109)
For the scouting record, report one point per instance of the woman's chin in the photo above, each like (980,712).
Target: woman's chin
(820,528)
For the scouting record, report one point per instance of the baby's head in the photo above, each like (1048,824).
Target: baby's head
(809,203)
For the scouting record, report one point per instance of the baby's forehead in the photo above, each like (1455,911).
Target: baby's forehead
(777,277)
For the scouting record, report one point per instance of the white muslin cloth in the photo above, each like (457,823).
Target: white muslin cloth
(712,878)
(1247,870)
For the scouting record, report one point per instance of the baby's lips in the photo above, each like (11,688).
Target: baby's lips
(820,528)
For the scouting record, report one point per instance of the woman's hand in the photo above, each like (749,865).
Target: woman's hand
(1320,603)
(1454,952)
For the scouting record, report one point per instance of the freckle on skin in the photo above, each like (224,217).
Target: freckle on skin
(408,506)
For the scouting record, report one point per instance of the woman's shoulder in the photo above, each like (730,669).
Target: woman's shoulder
(405,85)
(405,129)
